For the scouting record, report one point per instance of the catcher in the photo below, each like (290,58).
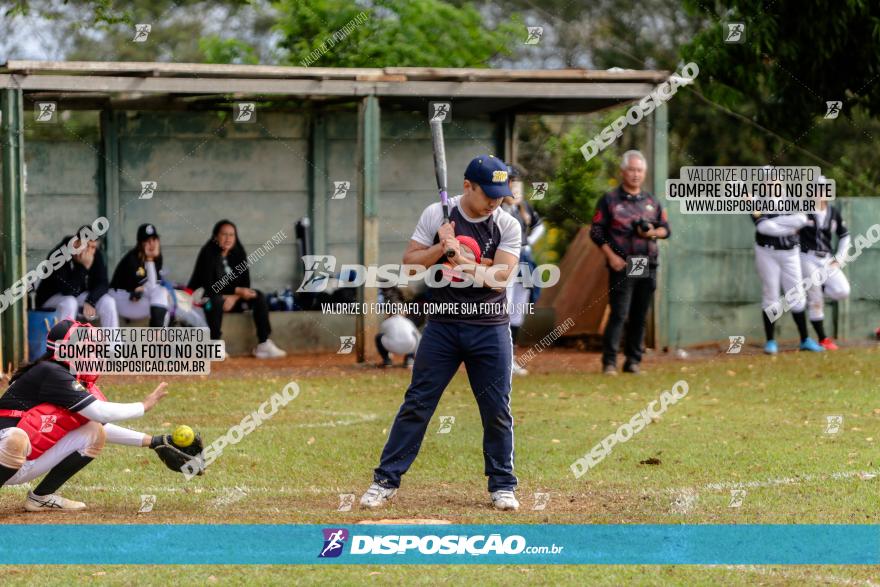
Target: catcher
(54,423)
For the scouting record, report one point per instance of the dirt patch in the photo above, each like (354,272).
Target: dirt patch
(406,521)
(553,360)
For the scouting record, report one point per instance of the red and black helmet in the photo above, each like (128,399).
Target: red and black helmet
(61,333)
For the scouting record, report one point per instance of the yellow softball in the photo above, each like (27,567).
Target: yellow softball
(183,436)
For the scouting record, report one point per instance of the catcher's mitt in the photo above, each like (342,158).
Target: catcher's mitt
(175,457)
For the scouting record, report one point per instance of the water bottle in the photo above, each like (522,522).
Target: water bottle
(272,301)
(287,296)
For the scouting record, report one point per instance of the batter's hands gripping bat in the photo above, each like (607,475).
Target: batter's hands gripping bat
(440,170)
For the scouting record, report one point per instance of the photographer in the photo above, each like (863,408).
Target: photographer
(626,226)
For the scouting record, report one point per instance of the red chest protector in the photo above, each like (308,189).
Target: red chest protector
(46,424)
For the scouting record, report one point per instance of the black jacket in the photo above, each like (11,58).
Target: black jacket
(131,272)
(210,274)
(72,279)
(613,223)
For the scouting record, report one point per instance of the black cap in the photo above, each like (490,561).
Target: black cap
(58,332)
(146,231)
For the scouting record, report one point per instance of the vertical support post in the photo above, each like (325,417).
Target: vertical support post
(318,183)
(841,314)
(13,323)
(109,185)
(369,139)
(509,152)
(659,158)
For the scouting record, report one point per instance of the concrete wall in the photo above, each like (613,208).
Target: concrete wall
(295,332)
(257,175)
(62,192)
(406,179)
(207,169)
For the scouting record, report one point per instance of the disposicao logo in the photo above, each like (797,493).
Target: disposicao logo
(448,545)
(334,540)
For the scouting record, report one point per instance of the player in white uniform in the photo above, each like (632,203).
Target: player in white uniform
(532,231)
(79,284)
(398,335)
(777,257)
(136,283)
(816,255)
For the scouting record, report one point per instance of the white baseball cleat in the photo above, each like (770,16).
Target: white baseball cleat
(504,500)
(377,496)
(517,370)
(268,350)
(51,502)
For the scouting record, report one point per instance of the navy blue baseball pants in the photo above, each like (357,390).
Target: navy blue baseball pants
(487,353)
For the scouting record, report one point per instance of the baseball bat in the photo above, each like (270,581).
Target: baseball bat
(440,171)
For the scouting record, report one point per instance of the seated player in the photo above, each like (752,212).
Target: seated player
(79,284)
(221,272)
(53,423)
(816,255)
(135,285)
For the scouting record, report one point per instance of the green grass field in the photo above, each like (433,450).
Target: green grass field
(748,422)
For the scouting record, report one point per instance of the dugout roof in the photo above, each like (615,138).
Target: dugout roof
(91,84)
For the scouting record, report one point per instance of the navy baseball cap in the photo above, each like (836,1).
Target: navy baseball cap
(490,173)
(146,231)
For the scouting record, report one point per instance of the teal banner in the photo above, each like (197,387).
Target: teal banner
(442,544)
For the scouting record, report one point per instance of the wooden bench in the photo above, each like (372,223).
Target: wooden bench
(295,332)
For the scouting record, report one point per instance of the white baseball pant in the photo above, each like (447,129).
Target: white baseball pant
(155,295)
(517,298)
(780,272)
(836,285)
(66,308)
(88,440)
(400,335)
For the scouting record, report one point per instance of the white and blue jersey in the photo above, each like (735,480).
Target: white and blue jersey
(481,341)
(497,231)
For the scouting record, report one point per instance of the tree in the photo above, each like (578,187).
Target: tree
(794,58)
(389,33)
(575,185)
(104,30)
(216,49)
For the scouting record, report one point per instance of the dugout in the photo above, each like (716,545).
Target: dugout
(119,124)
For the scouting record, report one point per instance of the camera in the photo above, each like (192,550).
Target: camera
(641,224)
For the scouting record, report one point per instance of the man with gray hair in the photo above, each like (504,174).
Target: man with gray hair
(626,226)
